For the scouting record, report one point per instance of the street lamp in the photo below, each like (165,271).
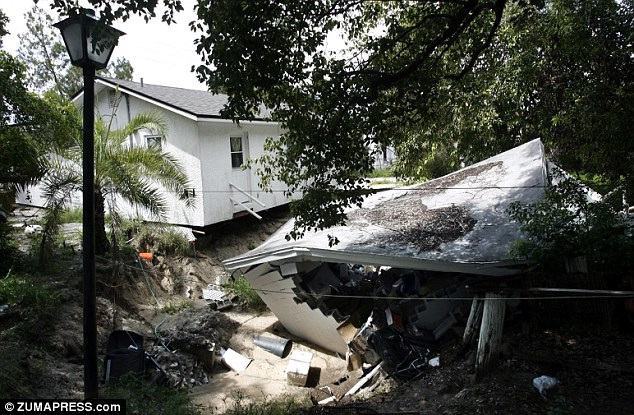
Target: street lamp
(89,44)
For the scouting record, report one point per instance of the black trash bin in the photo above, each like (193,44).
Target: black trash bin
(124,354)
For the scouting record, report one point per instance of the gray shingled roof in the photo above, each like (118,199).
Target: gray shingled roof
(194,102)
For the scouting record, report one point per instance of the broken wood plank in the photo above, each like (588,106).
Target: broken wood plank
(473,322)
(364,380)
(490,334)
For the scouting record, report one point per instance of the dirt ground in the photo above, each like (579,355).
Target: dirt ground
(265,377)
(595,371)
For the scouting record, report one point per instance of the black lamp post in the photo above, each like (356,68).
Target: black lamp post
(89,44)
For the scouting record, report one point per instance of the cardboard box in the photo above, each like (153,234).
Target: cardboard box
(298,368)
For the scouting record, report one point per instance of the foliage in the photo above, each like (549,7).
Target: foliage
(30,127)
(284,405)
(71,215)
(48,64)
(332,107)
(245,292)
(8,248)
(22,290)
(161,238)
(144,399)
(381,173)
(131,173)
(561,72)
(4,20)
(567,224)
(445,82)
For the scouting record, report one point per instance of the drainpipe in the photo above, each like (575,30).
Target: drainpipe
(127,106)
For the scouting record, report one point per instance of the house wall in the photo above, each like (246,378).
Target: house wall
(181,141)
(298,318)
(218,173)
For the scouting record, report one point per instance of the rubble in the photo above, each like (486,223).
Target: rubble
(386,315)
(188,343)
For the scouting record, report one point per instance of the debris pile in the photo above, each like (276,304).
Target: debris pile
(387,315)
(189,344)
(181,369)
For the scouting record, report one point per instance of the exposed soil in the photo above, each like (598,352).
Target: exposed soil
(595,371)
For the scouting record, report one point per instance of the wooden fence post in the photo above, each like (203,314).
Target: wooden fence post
(490,334)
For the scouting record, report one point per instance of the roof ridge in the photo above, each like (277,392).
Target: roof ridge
(115,80)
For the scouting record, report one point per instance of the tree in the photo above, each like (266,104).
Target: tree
(48,65)
(3,23)
(130,173)
(30,127)
(271,52)
(562,72)
(458,80)
(567,224)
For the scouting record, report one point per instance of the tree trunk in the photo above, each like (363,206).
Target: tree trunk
(475,318)
(102,245)
(490,334)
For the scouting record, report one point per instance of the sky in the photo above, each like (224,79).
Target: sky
(160,54)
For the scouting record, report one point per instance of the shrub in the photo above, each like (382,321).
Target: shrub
(249,298)
(162,238)
(566,224)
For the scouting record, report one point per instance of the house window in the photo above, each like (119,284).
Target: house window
(237,153)
(154,141)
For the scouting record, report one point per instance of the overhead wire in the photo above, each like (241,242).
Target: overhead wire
(611,295)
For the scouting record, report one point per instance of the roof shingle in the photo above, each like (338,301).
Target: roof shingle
(194,102)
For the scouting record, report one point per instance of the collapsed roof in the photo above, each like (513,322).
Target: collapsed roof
(456,223)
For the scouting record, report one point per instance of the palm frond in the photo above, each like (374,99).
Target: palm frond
(151,120)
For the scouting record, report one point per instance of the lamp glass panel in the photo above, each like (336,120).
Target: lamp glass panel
(73,40)
(99,52)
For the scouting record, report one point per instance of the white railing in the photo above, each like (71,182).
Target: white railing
(248,209)
(246,194)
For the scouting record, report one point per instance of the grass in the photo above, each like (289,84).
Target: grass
(284,405)
(381,173)
(144,399)
(73,215)
(24,291)
(249,298)
(173,308)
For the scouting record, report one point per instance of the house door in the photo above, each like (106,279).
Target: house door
(240,178)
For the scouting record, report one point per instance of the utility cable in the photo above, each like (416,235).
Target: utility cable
(607,295)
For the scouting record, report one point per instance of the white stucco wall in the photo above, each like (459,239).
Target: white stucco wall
(217,172)
(181,142)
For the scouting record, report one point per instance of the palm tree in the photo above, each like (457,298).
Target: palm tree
(121,170)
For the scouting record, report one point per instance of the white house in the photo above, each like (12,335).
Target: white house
(211,149)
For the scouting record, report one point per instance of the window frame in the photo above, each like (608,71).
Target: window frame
(236,153)
(157,139)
